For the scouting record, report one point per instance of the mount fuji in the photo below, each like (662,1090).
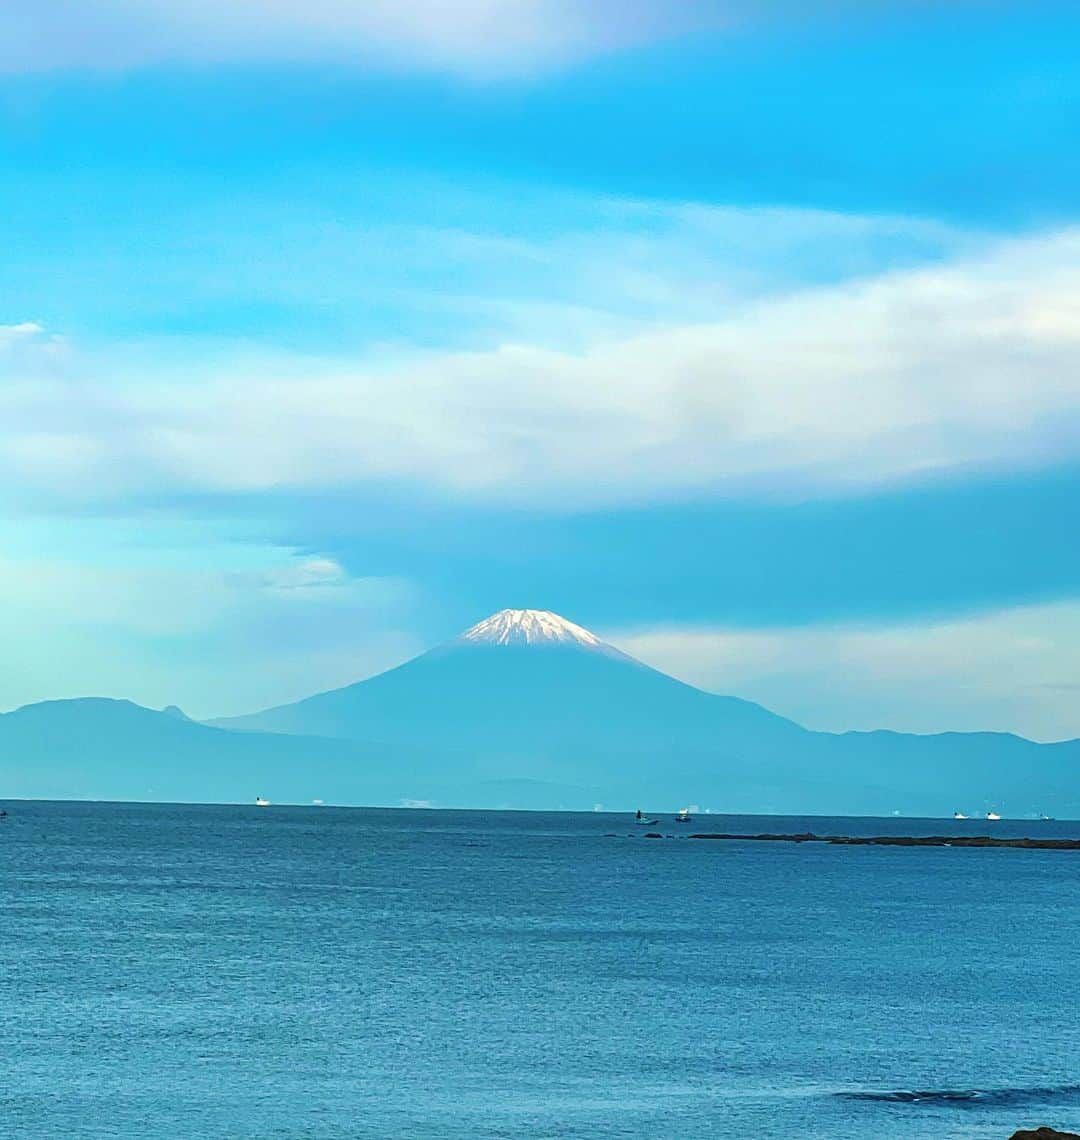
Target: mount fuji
(527,686)
(528,709)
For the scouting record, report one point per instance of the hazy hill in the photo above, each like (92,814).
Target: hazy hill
(101,749)
(106,749)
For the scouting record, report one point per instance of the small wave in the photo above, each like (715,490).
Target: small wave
(970,1098)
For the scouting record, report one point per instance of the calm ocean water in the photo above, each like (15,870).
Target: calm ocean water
(172,971)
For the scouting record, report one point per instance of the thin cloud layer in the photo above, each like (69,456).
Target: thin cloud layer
(1011,670)
(970,366)
(472,36)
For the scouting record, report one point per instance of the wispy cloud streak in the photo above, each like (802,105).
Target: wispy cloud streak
(476,37)
(485,38)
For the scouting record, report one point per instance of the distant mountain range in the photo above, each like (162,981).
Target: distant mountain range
(526,710)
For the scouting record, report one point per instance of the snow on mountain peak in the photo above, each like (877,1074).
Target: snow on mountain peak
(530,627)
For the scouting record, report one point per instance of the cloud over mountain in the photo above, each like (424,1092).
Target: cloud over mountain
(969,365)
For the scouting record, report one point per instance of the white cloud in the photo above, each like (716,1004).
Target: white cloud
(12,334)
(962,366)
(1013,670)
(306,575)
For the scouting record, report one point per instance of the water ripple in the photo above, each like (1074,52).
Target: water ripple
(969,1098)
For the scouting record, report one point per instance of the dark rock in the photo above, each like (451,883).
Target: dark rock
(1044,1134)
(653,835)
(908,841)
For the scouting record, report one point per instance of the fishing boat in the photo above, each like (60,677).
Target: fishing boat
(959,815)
(992,815)
(643,822)
(260,802)
(683,816)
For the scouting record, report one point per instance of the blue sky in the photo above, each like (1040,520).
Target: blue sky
(746,335)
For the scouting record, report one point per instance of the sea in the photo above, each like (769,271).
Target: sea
(171,971)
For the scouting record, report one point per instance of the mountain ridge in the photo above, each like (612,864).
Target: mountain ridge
(529,711)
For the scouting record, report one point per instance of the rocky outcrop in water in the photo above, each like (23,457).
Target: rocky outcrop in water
(1044,1134)
(906,841)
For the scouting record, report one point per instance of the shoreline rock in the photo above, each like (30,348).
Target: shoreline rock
(1025,844)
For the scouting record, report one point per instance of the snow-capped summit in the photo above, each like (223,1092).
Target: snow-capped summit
(530,627)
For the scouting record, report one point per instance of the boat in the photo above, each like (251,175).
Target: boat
(260,802)
(959,815)
(992,815)
(643,822)
(684,816)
